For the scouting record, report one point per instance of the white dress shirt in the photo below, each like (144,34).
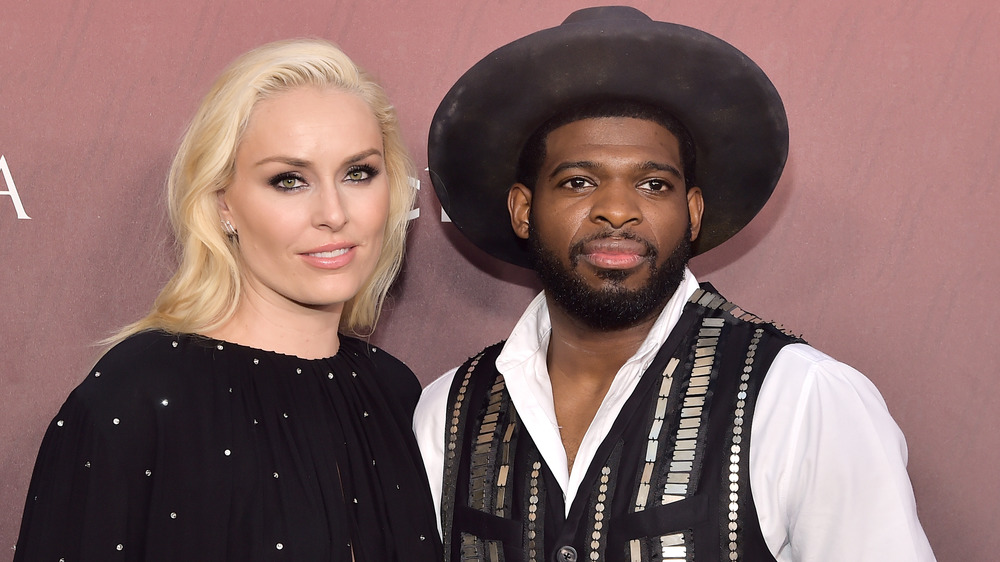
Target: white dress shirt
(827,462)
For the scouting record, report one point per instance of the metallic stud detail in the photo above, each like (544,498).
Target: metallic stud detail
(485,453)
(736,451)
(452,448)
(599,507)
(534,515)
(654,437)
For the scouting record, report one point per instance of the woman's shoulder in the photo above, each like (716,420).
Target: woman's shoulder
(390,372)
(143,364)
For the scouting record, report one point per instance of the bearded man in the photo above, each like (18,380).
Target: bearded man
(633,414)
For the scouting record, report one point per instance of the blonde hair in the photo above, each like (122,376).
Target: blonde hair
(205,289)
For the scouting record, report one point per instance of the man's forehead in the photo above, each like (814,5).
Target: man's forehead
(612,137)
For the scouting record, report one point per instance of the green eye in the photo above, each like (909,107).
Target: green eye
(287,182)
(357,175)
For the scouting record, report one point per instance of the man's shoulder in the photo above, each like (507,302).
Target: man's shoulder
(435,394)
(719,306)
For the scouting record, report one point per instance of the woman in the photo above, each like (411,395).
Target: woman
(235,421)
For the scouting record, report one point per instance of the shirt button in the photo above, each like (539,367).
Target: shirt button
(566,554)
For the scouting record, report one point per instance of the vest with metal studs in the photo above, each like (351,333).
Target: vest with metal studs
(670,482)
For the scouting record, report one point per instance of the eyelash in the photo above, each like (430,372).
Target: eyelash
(275,182)
(568,183)
(367,169)
(665,186)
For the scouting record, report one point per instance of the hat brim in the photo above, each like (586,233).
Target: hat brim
(727,103)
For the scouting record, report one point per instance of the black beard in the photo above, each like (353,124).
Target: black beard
(613,307)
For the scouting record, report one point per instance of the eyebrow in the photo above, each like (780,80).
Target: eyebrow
(648,165)
(584,164)
(660,167)
(299,163)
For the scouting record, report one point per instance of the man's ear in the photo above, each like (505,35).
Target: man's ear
(696,206)
(519,206)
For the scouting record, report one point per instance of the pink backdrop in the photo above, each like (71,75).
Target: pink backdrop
(879,244)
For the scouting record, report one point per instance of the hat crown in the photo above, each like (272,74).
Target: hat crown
(725,101)
(605,13)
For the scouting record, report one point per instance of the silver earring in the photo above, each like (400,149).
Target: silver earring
(229,229)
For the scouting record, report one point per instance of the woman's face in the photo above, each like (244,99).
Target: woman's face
(309,198)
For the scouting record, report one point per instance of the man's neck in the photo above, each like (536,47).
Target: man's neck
(585,353)
(582,362)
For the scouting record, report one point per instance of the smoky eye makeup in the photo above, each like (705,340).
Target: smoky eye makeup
(287,181)
(361,173)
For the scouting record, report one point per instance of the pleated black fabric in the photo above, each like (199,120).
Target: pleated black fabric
(187,448)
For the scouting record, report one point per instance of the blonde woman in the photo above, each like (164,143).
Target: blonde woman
(237,421)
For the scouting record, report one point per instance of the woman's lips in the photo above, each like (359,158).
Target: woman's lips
(330,257)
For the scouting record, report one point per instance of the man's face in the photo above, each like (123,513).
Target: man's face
(610,220)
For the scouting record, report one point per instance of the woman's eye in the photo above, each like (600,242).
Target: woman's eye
(357,175)
(360,174)
(287,182)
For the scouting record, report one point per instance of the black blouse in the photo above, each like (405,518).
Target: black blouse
(179,447)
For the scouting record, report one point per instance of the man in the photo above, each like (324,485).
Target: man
(633,415)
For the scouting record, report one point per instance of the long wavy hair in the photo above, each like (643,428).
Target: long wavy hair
(204,291)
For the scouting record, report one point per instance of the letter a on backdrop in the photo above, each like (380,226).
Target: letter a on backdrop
(11,189)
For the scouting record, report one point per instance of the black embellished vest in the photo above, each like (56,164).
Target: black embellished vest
(670,481)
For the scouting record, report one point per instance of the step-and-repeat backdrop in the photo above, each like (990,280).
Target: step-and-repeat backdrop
(880,243)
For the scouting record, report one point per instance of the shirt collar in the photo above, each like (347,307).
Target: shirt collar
(528,343)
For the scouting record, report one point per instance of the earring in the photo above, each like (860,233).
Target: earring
(229,229)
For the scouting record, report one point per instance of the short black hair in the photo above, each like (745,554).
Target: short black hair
(529,164)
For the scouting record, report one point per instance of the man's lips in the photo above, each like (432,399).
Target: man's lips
(614,253)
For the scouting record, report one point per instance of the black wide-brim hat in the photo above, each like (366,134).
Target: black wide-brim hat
(726,102)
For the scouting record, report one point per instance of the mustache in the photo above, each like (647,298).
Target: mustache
(577,249)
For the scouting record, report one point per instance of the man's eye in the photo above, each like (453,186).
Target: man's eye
(655,185)
(577,183)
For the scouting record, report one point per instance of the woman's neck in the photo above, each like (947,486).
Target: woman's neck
(283,326)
